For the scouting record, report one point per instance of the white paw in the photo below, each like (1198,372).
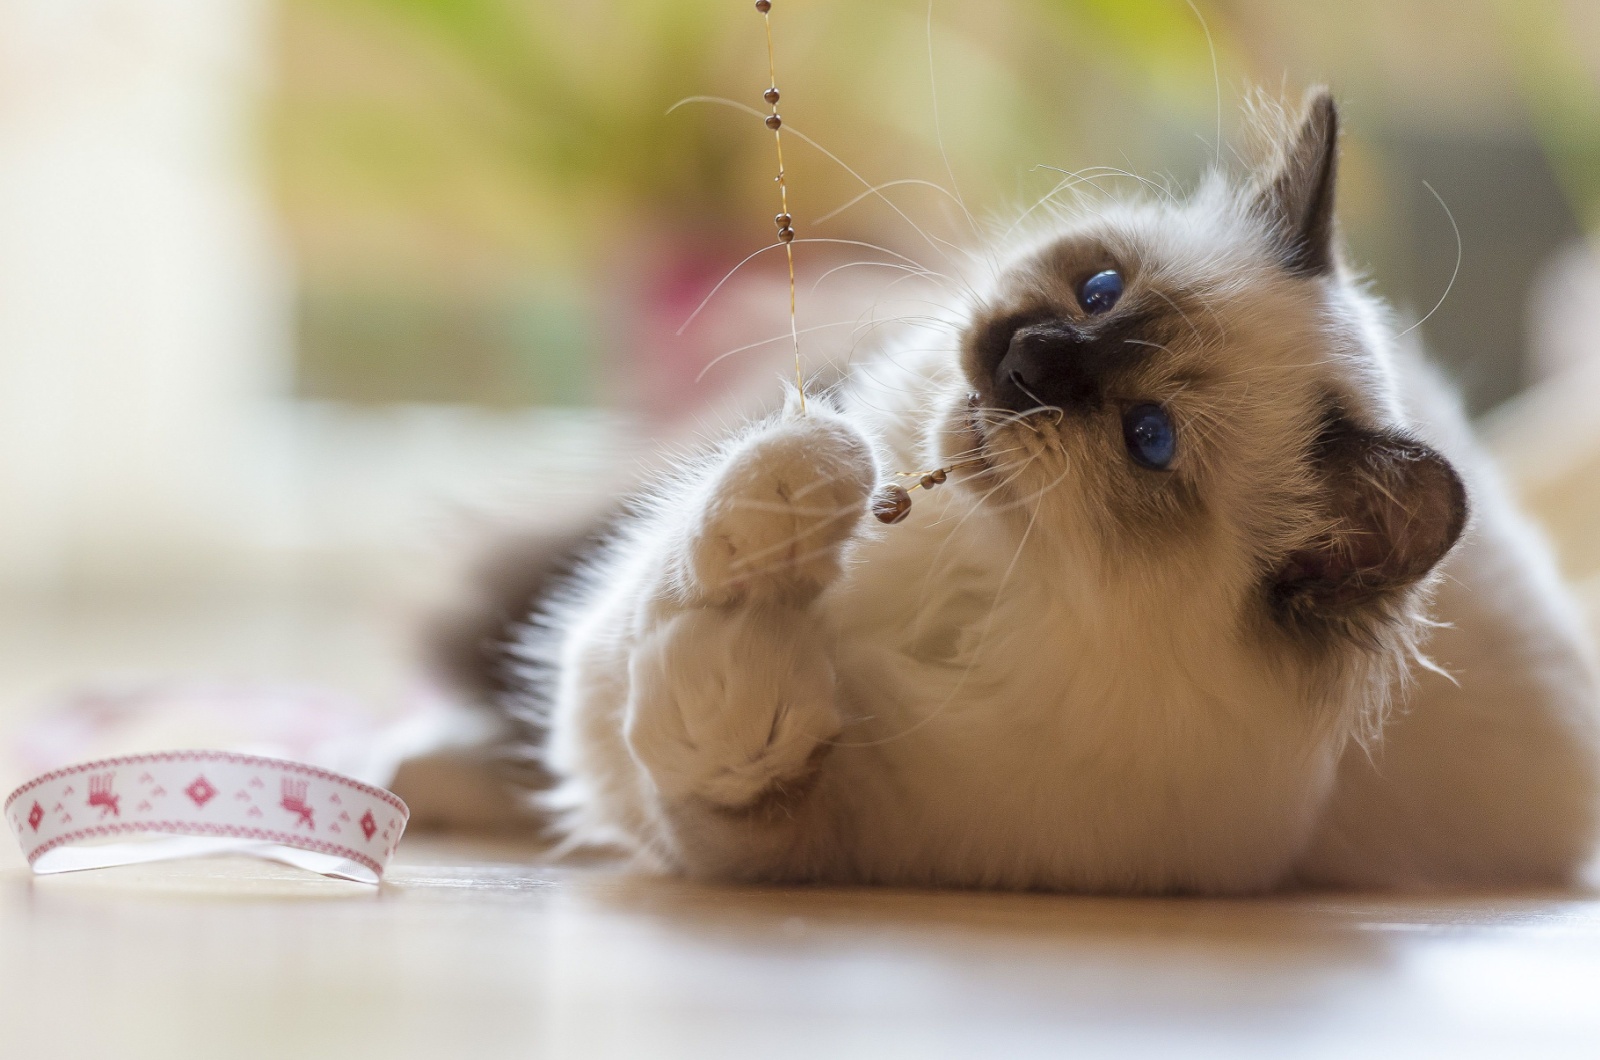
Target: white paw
(729,706)
(773,518)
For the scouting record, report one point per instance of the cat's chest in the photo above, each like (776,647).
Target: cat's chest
(958,618)
(993,674)
(944,625)
(1070,764)
(994,718)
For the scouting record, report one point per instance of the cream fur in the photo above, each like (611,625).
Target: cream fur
(1028,684)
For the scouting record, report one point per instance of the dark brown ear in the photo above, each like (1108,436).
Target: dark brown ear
(1296,193)
(1396,506)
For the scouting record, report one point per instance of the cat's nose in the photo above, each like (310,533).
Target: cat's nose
(1053,363)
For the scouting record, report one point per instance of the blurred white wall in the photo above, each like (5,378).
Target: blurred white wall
(141,295)
(146,432)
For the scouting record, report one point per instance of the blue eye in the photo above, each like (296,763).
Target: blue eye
(1100,291)
(1147,431)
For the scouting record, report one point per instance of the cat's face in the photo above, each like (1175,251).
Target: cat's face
(1194,395)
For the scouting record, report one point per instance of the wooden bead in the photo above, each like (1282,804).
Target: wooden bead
(938,475)
(763,6)
(771,95)
(891,504)
(786,235)
(773,121)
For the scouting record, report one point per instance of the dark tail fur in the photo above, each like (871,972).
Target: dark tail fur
(481,783)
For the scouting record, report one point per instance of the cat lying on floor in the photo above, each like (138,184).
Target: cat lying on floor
(1200,609)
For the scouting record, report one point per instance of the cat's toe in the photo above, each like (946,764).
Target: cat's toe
(731,707)
(777,511)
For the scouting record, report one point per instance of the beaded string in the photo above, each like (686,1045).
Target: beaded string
(784,221)
(892,502)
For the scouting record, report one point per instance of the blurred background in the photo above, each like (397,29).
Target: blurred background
(303,300)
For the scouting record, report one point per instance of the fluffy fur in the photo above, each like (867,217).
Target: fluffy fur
(1067,671)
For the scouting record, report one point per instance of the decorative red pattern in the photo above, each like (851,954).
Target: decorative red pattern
(200,791)
(294,800)
(201,828)
(206,756)
(102,795)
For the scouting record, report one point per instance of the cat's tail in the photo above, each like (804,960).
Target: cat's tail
(479,772)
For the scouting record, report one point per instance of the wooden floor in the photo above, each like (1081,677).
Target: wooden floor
(480,951)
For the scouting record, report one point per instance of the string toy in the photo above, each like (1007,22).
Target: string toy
(891,502)
(784,220)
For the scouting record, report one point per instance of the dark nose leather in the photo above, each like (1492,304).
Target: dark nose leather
(1054,362)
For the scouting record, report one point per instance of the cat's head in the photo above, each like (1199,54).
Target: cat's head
(1198,397)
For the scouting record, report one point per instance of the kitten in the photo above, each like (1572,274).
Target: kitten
(1163,632)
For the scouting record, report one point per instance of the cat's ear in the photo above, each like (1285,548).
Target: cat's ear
(1395,508)
(1295,194)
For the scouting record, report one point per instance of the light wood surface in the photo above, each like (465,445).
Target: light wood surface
(481,951)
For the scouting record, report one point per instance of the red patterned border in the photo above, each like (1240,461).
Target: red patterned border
(200,828)
(212,756)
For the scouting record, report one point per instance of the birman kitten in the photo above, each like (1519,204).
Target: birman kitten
(1219,597)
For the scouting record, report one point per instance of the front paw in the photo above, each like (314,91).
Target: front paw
(731,706)
(773,518)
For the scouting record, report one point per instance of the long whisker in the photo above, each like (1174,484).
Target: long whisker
(983,637)
(1010,418)
(913,264)
(1453,272)
(978,505)
(1145,342)
(1176,309)
(728,276)
(863,264)
(1113,171)
(877,188)
(938,133)
(972,508)
(1037,494)
(937,244)
(719,358)
(923,269)
(1067,182)
(826,517)
(1043,405)
(1216,75)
